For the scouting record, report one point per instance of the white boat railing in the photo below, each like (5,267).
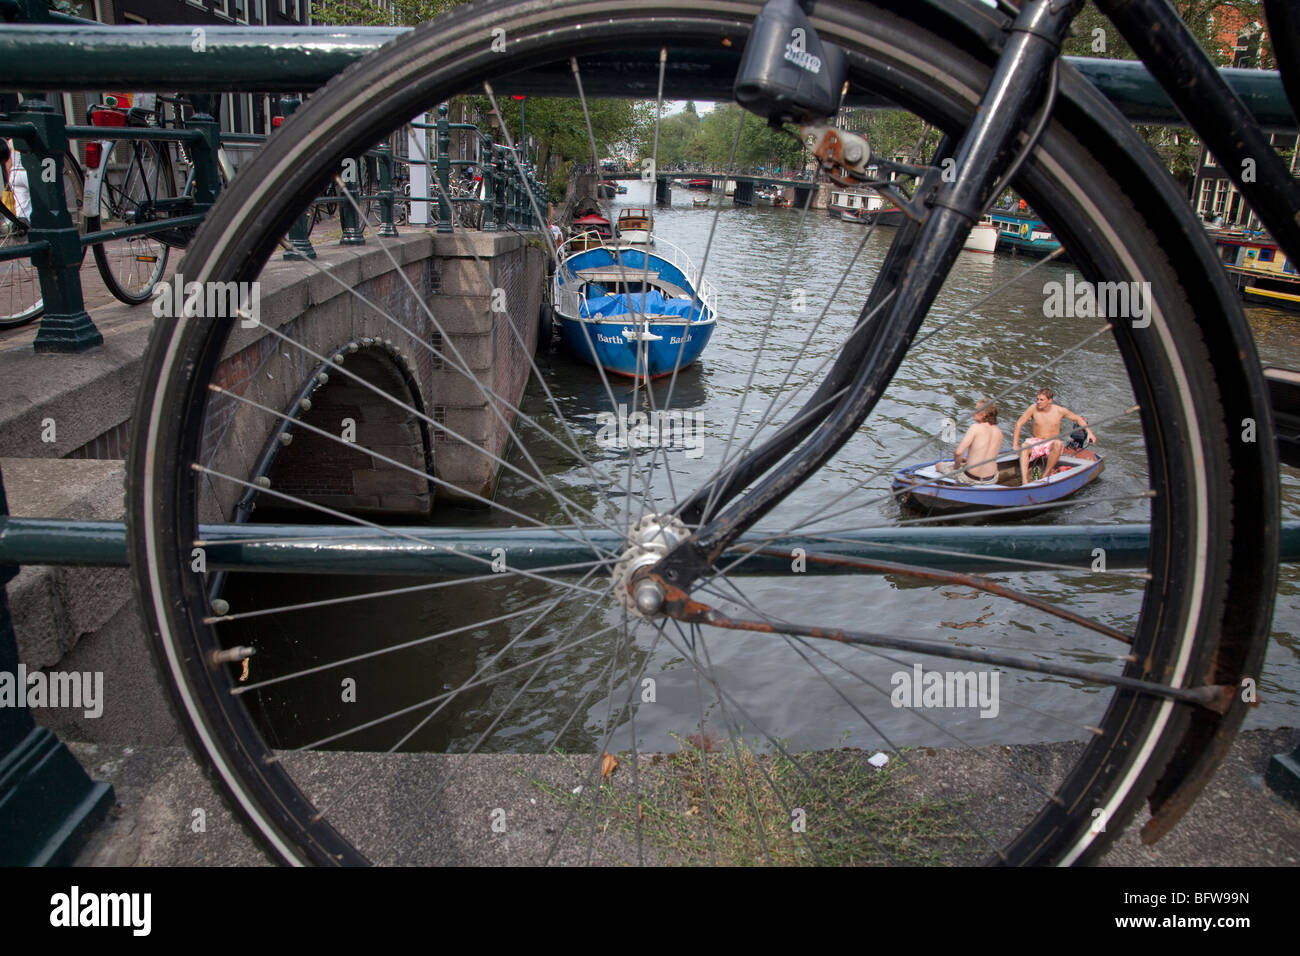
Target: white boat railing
(569,301)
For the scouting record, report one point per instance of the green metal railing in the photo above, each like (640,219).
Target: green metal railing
(512,199)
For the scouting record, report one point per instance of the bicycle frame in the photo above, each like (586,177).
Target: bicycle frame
(1024,80)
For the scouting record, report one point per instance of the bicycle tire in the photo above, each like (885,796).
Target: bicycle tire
(20,289)
(133,266)
(1207,604)
(21,300)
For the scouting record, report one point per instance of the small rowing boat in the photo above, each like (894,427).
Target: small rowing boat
(924,486)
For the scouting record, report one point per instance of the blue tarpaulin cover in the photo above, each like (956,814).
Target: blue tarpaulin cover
(635,303)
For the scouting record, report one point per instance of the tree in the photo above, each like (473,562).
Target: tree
(559,125)
(367,13)
(1208,20)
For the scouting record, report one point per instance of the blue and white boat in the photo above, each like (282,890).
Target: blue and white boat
(631,310)
(924,486)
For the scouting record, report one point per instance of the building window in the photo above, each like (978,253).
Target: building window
(1266,255)
(1204,206)
(283,7)
(241,10)
(221,7)
(133,18)
(1220,195)
(1209,159)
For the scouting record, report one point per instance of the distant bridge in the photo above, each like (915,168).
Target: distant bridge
(745,183)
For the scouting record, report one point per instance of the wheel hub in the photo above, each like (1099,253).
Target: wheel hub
(649,540)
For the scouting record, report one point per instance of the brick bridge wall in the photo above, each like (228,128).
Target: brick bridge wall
(444,305)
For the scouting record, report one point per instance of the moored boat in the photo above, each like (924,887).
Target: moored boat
(590,231)
(1260,269)
(924,486)
(1023,234)
(864,207)
(983,238)
(705,185)
(699,200)
(636,226)
(633,311)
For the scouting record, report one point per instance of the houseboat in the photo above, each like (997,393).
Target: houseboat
(1022,234)
(1260,269)
(865,207)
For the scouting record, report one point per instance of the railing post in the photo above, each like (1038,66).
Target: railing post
(499,202)
(385,170)
(348,205)
(66,326)
(543,204)
(444,171)
(207,170)
(489,170)
(51,805)
(512,192)
(507,191)
(300,231)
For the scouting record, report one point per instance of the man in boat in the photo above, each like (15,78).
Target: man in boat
(979,446)
(1046,442)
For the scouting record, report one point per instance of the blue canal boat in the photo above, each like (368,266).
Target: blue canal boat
(924,486)
(1022,234)
(630,310)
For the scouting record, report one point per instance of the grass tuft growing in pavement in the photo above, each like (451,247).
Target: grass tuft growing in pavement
(711,803)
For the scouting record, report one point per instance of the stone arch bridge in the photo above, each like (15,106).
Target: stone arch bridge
(378,364)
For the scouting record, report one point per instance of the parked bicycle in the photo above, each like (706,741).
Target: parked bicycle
(130,182)
(644,553)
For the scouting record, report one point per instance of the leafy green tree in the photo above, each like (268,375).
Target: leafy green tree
(1093,35)
(366,13)
(559,125)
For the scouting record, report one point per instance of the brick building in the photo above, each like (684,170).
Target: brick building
(1213,194)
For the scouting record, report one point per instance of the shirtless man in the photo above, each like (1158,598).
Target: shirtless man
(1047,417)
(980,445)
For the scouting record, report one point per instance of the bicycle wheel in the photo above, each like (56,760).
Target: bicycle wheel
(20,287)
(1195,612)
(132,266)
(21,300)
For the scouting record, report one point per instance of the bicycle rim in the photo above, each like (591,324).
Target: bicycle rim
(1176,404)
(21,299)
(20,287)
(132,266)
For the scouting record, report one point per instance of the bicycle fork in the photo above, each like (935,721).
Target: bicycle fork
(950,200)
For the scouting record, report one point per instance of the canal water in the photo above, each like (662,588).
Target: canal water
(786,305)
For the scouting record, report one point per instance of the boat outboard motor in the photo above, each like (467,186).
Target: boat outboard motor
(787,74)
